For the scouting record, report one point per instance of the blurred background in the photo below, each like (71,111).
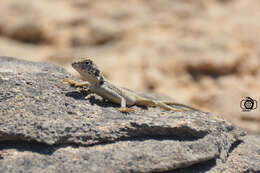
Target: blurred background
(203,53)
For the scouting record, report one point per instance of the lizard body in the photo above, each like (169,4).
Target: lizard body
(96,83)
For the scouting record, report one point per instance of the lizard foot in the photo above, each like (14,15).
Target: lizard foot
(125,110)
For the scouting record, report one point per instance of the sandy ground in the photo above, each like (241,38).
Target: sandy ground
(204,53)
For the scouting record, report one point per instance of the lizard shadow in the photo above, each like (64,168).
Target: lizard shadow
(106,103)
(76,95)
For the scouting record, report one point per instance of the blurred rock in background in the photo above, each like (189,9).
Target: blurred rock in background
(203,53)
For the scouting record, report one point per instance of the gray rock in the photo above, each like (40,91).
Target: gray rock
(244,156)
(48,126)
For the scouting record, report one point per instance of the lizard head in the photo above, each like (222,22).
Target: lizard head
(88,70)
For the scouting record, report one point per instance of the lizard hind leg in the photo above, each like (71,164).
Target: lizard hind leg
(167,107)
(180,104)
(153,103)
(123,107)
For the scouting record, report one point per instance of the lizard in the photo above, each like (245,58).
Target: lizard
(95,82)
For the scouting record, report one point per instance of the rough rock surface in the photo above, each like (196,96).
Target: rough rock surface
(174,47)
(48,126)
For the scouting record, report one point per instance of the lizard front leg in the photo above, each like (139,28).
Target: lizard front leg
(73,83)
(76,84)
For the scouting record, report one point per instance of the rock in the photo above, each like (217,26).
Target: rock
(244,156)
(48,126)
(178,48)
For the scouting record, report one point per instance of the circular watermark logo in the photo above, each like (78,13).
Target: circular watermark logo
(248,104)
